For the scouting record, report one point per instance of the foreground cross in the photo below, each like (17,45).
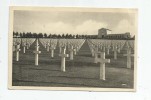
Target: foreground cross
(17,51)
(129,55)
(63,57)
(102,61)
(37,52)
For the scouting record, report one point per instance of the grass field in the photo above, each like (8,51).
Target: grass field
(80,72)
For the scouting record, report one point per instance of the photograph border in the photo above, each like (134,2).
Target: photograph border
(73,9)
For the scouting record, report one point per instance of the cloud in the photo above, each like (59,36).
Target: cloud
(90,27)
(86,27)
(124,26)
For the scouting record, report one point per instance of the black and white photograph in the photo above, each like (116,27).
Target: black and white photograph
(65,48)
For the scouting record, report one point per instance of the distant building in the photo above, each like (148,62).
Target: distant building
(106,33)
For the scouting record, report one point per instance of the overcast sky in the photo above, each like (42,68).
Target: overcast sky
(73,22)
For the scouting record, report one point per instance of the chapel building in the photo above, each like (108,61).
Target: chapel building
(106,34)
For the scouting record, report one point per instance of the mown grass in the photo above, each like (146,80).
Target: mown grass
(80,72)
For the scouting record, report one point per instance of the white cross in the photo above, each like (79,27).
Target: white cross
(48,46)
(60,48)
(45,45)
(108,49)
(37,52)
(129,55)
(71,52)
(104,48)
(63,56)
(17,51)
(28,45)
(102,61)
(115,52)
(52,48)
(75,50)
(100,46)
(92,50)
(24,47)
(119,48)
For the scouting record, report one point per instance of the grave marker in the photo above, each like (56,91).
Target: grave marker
(71,52)
(104,48)
(108,49)
(52,48)
(75,50)
(27,45)
(37,52)
(48,46)
(115,52)
(129,55)
(119,48)
(63,56)
(24,47)
(102,61)
(17,51)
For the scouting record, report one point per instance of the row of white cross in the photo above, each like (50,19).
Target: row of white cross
(117,45)
(25,42)
(63,44)
(49,44)
(73,46)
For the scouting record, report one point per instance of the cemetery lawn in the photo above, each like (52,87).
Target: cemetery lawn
(80,72)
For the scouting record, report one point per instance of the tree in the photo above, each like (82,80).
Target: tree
(27,35)
(24,35)
(30,35)
(63,36)
(59,36)
(73,36)
(49,36)
(70,36)
(40,35)
(35,35)
(67,36)
(17,34)
(21,35)
(77,36)
(14,34)
(45,35)
(54,36)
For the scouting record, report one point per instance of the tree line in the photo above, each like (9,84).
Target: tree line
(45,35)
(62,36)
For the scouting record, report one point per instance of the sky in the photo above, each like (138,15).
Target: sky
(61,22)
